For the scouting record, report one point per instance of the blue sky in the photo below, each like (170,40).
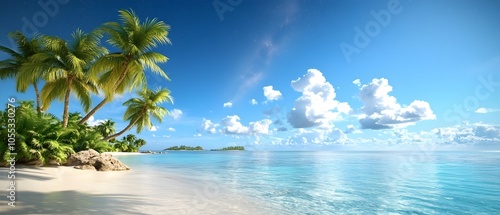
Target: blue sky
(322,74)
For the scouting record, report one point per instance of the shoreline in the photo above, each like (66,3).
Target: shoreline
(65,190)
(124,153)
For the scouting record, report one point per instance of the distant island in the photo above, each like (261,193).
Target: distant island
(183,147)
(199,148)
(230,148)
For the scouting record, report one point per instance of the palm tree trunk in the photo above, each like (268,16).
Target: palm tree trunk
(105,100)
(92,112)
(132,123)
(129,126)
(66,104)
(37,94)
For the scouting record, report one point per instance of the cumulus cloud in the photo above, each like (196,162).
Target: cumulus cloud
(357,82)
(232,125)
(209,126)
(478,133)
(271,94)
(176,114)
(93,122)
(253,102)
(260,127)
(170,129)
(153,128)
(485,110)
(381,111)
(304,136)
(317,105)
(228,104)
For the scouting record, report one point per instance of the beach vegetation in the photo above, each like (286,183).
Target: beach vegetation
(81,68)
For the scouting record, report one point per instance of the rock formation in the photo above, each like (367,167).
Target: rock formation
(92,160)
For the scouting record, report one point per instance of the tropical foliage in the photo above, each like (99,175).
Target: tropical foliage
(80,68)
(39,137)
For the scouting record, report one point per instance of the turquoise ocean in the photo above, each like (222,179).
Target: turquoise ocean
(347,182)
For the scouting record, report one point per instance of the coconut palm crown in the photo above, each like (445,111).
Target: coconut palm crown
(10,68)
(64,67)
(141,109)
(124,70)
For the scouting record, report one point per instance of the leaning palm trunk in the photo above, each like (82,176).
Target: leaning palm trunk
(129,126)
(105,100)
(92,112)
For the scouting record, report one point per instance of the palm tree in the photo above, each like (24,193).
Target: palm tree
(66,66)
(124,70)
(139,110)
(139,143)
(10,67)
(106,128)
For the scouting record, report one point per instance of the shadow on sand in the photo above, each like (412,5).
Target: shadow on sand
(72,202)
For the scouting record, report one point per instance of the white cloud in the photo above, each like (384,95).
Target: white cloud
(271,94)
(228,104)
(314,136)
(357,82)
(485,110)
(166,136)
(381,111)
(317,105)
(176,114)
(92,122)
(153,128)
(209,127)
(469,134)
(232,125)
(198,135)
(170,129)
(253,102)
(260,127)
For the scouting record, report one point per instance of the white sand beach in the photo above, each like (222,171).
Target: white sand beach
(65,190)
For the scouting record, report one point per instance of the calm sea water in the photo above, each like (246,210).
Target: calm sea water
(344,182)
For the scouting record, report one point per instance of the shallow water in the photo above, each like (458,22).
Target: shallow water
(244,182)
(341,182)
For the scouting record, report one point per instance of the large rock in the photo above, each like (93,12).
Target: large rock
(107,162)
(82,158)
(92,160)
